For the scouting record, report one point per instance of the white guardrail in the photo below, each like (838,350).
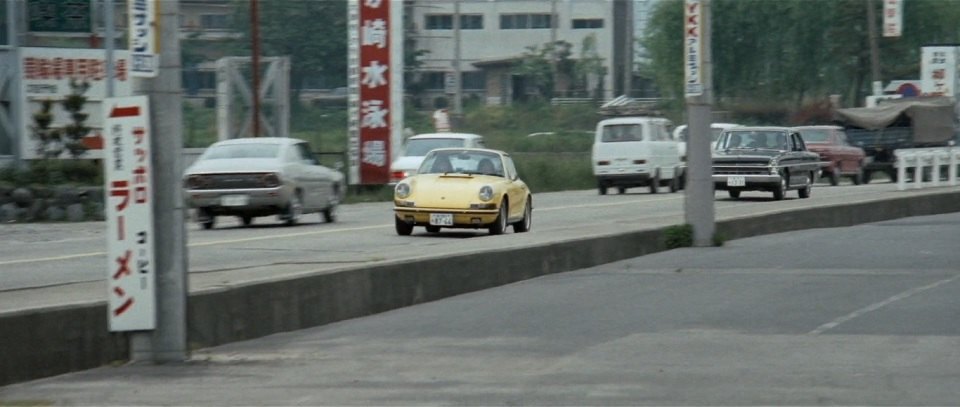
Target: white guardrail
(920,159)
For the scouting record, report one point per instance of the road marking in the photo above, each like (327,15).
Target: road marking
(599,205)
(873,307)
(211,243)
(719,204)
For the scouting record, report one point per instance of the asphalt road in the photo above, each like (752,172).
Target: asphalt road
(64,263)
(865,315)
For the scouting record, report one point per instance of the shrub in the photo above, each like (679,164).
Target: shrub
(678,236)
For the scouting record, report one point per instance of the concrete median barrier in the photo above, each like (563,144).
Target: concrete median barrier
(44,342)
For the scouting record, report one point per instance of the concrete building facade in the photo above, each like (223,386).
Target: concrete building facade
(494,35)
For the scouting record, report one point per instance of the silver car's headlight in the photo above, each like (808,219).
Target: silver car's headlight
(486,193)
(403,190)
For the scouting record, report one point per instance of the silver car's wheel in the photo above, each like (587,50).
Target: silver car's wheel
(500,224)
(294,210)
(246,220)
(330,214)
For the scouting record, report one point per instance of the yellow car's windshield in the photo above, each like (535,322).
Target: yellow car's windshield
(462,161)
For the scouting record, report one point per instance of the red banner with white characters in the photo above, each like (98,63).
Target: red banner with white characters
(374,83)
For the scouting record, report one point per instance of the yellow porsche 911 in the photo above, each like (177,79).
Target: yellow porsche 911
(464,188)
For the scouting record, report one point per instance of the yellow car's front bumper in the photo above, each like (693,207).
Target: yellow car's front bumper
(462,218)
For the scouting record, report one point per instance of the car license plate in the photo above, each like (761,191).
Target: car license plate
(234,200)
(736,181)
(441,219)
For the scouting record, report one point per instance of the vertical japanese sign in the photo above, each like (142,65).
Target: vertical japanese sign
(142,36)
(375,85)
(129,209)
(692,48)
(892,18)
(938,71)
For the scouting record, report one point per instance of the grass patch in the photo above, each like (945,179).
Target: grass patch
(678,236)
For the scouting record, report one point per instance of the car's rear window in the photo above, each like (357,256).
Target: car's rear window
(230,151)
(613,133)
(814,136)
(420,147)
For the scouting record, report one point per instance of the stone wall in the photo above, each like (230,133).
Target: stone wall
(51,203)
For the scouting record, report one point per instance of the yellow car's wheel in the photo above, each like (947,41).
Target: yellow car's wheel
(524,224)
(403,228)
(500,224)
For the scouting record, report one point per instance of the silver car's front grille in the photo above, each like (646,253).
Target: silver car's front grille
(740,170)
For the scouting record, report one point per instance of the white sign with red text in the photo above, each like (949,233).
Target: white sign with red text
(692,48)
(892,18)
(131,281)
(938,71)
(142,38)
(46,74)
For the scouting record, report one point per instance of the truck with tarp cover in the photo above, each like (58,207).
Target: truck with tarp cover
(897,124)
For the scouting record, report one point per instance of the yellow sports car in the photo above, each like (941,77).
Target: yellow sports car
(464,188)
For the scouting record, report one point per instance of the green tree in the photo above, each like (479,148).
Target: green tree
(589,66)
(49,139)
(73,103)
(791,52)
(312,33)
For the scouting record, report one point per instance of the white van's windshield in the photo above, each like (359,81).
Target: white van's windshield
(420,147)
(621,132)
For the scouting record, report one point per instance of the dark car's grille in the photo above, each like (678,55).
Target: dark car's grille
(738,170)
(232,181)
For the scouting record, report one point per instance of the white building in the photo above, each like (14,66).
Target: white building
(494,34)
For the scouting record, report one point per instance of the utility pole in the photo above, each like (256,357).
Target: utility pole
(255,64)
(457,86)
(698,209)
(13,86)
(168,342)
(628,48)
(877,88)
(109,31)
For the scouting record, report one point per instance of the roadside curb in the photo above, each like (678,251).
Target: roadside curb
(44,342)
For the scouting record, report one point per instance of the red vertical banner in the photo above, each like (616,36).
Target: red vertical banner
(374,109)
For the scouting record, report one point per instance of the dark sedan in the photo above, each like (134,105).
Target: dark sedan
(773,159)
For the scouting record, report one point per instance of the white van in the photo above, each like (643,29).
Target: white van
(635,152)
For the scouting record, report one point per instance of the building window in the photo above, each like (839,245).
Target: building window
(214,21)
(445,22)
(433,80)
(581,23)
(439,22)
(474,80)
(525,21)
(471,22)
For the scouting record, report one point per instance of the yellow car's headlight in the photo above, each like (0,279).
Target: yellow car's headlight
(486,193)
(403,190)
